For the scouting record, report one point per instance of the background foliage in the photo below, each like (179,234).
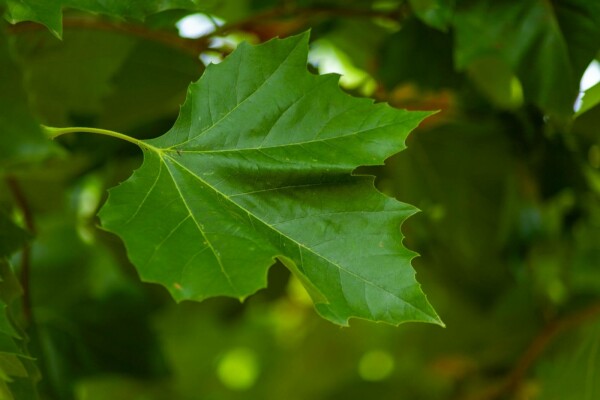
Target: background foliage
(506,176)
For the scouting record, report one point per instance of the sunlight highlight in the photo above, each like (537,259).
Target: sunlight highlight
(329,59)
(590,78)
(198,25)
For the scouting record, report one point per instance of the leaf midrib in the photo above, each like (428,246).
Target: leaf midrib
(191,214)
(173,149)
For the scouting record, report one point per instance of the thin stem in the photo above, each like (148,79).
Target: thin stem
(197,45)
(53,133)
(285,11)
(25,269)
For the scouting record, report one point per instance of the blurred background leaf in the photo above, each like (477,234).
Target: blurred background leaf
(507,176)
(21,138)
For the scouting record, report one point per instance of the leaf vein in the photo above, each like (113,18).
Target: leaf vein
(216,123)
(281,234)
(166,238)
(139,207)
(285,145)
(208,242)
(295,102)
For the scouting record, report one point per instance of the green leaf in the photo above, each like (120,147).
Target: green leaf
(357,38)
(257,167)
(406,44)
(150,85)
(590,99)
(21,138)
(579,21)
(504,90)
(49,12)
(11,236)
(10,290)
(58,91)
(547,45)
(571,373)
(120,82)
(18,373)
(435,13)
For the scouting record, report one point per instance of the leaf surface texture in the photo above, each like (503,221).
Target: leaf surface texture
(259,166)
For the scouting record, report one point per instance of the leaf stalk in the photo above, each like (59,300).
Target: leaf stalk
(53,133)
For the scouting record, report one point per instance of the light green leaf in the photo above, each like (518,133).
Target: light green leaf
(5,393)
(49,12)
(257,167)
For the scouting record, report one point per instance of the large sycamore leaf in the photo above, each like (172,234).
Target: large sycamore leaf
(259,166)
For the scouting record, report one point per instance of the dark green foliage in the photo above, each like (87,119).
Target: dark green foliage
(506,177)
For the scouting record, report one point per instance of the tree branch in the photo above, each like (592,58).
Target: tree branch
(23,205)
(536,348)
(285,12)
(196,46)
(171,39)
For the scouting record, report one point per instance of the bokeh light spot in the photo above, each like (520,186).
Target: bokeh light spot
(375,365)
(238,368)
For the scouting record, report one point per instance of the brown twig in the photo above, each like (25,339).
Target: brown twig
(23,204)
(536,348)
(306,12)
(196,46)
(171,39)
